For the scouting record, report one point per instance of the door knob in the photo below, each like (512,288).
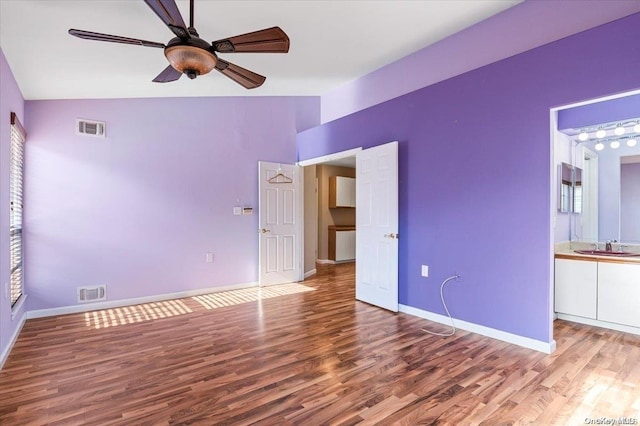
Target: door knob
(264,231)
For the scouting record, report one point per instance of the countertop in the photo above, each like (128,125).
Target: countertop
(566,250)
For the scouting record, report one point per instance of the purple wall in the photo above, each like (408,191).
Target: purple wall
(518,29)
(11,100)
(475,173)
(138,210)
(630,202)
(599,112)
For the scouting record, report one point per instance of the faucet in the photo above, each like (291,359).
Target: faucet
(608,246)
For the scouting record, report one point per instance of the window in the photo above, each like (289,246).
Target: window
(18,137)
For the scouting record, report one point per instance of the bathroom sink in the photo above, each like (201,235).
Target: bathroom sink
(607,253)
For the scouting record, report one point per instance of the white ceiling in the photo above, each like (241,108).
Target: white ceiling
(332,42)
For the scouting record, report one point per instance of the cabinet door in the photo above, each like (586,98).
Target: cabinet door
(345,245)
(342,191)
(576,287)
(619,293)
(350,187)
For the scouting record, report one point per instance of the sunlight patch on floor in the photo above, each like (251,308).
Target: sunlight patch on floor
(136,313)
(245,295)
(170,308)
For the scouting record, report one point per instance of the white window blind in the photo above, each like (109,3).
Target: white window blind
(18,137)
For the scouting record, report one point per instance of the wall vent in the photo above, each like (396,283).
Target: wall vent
(92,293)
(90,128)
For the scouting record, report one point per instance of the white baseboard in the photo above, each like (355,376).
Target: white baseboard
(598,323)
(333,262)
(87,307)
(12,340)
(537,345)
(310,273)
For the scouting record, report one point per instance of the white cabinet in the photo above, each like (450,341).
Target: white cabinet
(342,192)
(342,243)
(576,287)
(345,245)
(619,293)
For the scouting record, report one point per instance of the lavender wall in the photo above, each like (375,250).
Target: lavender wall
(137,211)
(475,173)
(520,28)
(11,100)
(630,202)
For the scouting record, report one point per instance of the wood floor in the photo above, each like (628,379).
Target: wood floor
(305,354)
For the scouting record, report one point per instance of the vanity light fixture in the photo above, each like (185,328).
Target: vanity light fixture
(615,145)
(631,142)
(599,146)
(619,130)
(583,136)
(601,133)
(636,128)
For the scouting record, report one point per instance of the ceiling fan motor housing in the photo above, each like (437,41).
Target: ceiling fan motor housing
(192,56)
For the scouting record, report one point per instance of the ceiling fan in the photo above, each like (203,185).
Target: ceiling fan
(189,54)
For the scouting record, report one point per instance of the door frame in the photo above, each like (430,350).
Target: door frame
(329,157)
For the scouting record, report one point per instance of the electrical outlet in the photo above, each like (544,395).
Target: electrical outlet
(209,257)
(425,270)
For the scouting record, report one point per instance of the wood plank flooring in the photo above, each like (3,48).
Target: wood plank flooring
(305,354)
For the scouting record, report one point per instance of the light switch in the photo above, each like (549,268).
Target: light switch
(237,211)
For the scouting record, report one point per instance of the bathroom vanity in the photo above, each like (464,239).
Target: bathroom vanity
(602,290)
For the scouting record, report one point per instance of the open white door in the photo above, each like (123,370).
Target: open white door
(280,223)
(377,226)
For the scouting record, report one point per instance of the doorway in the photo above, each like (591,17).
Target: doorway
(318,216)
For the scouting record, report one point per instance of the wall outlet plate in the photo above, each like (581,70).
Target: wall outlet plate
(425,270)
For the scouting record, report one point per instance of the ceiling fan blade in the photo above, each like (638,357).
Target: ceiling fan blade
(270,40)
(168,12)
(167,75)
(244,77)
(88,35)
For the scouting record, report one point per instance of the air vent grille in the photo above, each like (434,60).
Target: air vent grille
(92,294)
(90,128)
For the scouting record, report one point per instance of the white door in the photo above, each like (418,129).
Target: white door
(280,226)
(377,226)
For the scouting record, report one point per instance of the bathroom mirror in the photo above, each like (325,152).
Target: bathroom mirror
(602,138)
(630,199)
(570,191)
(613,212)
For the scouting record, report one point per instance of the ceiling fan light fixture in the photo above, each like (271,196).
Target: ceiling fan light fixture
(191,60)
